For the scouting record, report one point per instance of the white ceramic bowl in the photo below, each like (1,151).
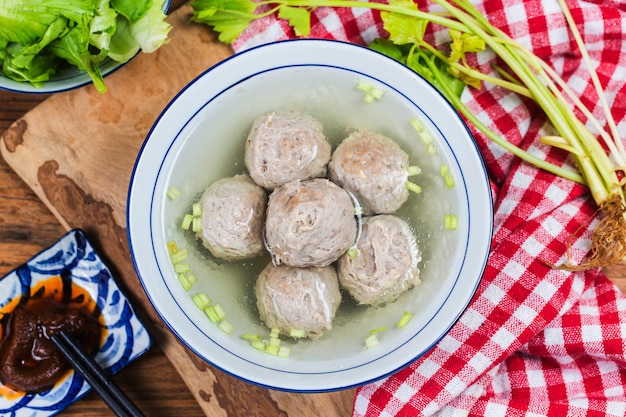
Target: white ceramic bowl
(200,138)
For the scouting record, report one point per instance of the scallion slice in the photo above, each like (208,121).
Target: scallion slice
(179,256)
(404,320)
(211,314)
(196,209)
(172,193)
(284,351)
(201,300)
(184,281)
(450,222)
(181,268)
(297,333)
(371,341)
(187,220)
(219,311)
(226,327)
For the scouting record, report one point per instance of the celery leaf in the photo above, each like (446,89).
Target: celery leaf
(298,18)
(227,17)
(403,28)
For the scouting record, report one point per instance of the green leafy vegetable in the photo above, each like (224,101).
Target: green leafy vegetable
(39,39)
(299,19)
(526,74)
(228,17)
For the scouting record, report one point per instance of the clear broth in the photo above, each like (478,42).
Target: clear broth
(213,147)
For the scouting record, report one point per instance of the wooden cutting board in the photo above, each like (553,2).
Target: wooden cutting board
(77,149)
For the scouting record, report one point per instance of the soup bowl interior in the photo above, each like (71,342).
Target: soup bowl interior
(200,138)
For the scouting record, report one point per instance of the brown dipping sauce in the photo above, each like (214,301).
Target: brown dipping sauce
(29,360)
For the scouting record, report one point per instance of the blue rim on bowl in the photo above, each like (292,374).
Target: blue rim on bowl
(250,82)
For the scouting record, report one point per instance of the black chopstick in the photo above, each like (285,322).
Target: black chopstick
(84,364)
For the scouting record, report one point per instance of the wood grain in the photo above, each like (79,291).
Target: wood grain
(26,227)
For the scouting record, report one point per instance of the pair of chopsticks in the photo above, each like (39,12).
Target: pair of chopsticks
(84,364)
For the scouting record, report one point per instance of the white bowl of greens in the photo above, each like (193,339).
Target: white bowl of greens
(200,137)
(59,45)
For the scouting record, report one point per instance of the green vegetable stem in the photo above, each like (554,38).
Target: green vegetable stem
(39,39)
(600,158)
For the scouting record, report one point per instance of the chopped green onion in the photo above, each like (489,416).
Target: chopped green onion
(184,281)
(449,180)
(187,220)
(450,222)
(426,137)
(369,99)
(284,351)
(219,310)
(380,329)
(272,346)
(363,86)
(417,125)
(431,149)
(413,187)
(371,341)
(196,224)
(274,341)
(406,317)
(182,268)
(414,170)
(211,314)
(173,193)
(196,210)
(377,93)
(272,350)
(353,252)
(297,333)
(201,300)
(192,277)
(179,256)
(258,345)
(226,327)
(444,170)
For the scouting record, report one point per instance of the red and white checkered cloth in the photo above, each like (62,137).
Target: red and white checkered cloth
(534,341)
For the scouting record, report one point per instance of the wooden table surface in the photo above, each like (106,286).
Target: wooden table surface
(27,226)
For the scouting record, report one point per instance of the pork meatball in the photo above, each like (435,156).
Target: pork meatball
(309,223)
(374,168)
(233,212)
(298,298)
(386,263)
(286,145)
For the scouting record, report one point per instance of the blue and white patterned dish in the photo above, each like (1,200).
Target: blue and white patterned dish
(126,338)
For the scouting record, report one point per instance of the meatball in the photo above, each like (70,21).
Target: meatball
(374,168)
(233,212)
(286,145)
(298,298)
(309,223)
(385,264)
